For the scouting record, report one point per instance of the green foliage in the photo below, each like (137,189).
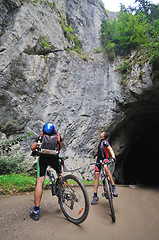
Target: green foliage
(12,161)
(46,45)
(98,50)
(35,2)
(101,4)
(17,183)
(135,29)
(68,31)
(150,10)
(131,31)
(78,45)
(154,60)
(50,3)
(20,183)
(124,68)
(122,36)
(12,164)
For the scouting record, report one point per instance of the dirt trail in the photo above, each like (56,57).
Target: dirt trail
(137,218)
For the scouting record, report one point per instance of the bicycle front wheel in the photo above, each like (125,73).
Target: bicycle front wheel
(109,193)
(73,199)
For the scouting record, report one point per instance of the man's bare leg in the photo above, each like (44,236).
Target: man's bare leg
(96,182)
(110,175)
(38,190)
(115,193)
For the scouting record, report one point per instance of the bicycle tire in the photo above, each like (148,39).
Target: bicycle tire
(108,188)
(73,199)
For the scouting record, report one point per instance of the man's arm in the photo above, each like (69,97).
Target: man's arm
(111,151)
(60,144)
(59,138)
(34,146)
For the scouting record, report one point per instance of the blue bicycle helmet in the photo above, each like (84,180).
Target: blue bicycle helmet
(48,128)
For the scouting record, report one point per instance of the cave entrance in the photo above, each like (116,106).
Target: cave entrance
(136,139)
(141,163)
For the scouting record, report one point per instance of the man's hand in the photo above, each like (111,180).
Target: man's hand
(114,160)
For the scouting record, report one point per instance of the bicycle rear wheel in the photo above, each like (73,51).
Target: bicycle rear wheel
(73,199)
(109,195)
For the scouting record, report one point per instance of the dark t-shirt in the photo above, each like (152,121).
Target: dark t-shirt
(103,149)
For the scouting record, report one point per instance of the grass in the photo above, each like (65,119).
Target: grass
(17,183)
(86,183)
(20,183)
(89,183)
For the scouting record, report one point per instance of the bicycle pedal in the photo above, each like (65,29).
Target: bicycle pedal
(105,195)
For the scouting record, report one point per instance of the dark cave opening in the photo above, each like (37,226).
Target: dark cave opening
(141,163)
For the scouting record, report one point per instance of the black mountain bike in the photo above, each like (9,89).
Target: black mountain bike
(72,195)
(107,187)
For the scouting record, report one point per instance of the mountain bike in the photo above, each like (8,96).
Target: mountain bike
(107,187)
(71,193)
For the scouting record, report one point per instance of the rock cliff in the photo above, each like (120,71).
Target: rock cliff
(44,79)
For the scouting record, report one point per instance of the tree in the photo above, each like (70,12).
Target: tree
(125,34)
(146,7)
(132,31)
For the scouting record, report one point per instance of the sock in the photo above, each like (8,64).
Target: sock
(95,194)
(36,208)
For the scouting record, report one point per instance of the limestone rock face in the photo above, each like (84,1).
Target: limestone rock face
(40,80)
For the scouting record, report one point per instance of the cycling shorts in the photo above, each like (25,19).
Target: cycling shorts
(98,165)
(45,161)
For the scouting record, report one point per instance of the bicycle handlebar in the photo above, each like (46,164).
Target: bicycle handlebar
(103,163)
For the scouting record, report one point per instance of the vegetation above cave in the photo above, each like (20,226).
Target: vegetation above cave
(136,28)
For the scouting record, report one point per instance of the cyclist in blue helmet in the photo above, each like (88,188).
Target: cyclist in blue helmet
(48,138)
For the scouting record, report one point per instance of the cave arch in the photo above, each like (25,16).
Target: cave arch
(140,165)
(136,140)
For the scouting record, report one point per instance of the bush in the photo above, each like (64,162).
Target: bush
(12,161)
(124,67)
(131,31)
(101,4)
(154,60)
(12,164)
(122,36)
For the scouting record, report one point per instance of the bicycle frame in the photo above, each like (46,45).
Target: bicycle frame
(107,187)
(103,173)
(54,182)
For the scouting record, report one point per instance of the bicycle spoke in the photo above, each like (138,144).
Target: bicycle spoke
(73,199)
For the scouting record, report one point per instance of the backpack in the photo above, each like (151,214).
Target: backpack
(50,144)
